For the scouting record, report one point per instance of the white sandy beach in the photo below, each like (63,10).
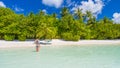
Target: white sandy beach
(56,42)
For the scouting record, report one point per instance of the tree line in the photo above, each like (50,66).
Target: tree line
(69,26)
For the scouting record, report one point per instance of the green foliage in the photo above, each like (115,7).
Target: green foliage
(69,26)
(76,38)
(21,37)
(5,11)
(70,37)
(1,37)
(9,37)
(67,36)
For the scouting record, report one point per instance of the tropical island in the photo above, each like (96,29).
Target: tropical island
(69,26)
(59,34)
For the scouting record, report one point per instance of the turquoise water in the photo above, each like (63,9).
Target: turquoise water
(61,57)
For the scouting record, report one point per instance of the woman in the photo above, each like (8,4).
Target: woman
(37,45)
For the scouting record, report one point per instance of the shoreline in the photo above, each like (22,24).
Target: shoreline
(57,42)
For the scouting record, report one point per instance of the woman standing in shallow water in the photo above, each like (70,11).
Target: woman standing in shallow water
(37,45)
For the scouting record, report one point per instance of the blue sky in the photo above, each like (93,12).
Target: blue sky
(99,8)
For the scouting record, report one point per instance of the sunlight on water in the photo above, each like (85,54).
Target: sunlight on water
(61,57)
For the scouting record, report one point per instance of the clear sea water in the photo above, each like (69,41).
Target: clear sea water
(61,57)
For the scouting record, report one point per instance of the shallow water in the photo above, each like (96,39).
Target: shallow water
(61,57)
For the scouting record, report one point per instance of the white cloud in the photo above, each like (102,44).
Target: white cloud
(44,10)
(95,6)
(55,3)
(18,9)
(116,17)
(2,4)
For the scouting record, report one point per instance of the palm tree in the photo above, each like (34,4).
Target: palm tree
(89,14)
(90,18)
(79,14)
(64,11)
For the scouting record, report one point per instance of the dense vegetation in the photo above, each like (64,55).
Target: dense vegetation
(69,26)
